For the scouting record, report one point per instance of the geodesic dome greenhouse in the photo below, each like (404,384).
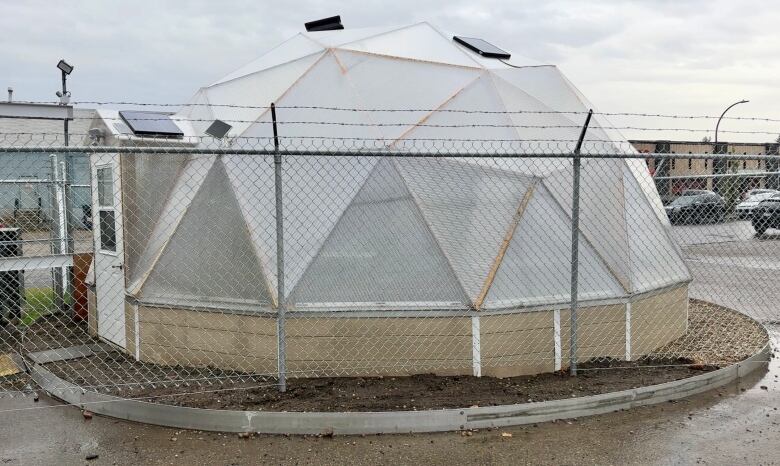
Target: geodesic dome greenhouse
(398,264)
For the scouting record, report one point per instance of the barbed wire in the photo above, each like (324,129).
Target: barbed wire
(449,126)
(516,151)
(403,110)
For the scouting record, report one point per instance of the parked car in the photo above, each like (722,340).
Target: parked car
(756,191)
(702,207)
(745,208)
(695,192)
(767,215)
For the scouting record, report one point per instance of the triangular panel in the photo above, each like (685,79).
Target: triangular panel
(383,83)
(317,191)
(294,48)
(602,208)
(600,120)
(252,181)
(256,91)
(641,173)
(548,87)
(146,179)
(469,208)
(462,125)
(655,260)
(210,258)
(380,252)
(303,125)
(537,266)
(417,42)
(540,125)
(544,84)
(187,184)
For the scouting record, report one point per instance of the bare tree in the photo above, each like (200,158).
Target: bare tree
(706,139)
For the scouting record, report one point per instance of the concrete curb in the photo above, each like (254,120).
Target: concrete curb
(347,423)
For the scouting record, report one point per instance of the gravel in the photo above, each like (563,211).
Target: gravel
(716,336)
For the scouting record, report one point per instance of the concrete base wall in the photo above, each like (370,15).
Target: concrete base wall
(658,320)
(506,345)
(517,344)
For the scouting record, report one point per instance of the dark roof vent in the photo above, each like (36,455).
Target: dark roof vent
(218,129)
(482,47)
(326,24)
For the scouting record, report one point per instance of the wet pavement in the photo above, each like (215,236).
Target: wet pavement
(733,267)
(738,424)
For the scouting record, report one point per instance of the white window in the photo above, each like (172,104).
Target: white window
(106,212)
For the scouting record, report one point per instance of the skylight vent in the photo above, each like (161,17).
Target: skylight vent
(151,124)
(482,47)
(326,24)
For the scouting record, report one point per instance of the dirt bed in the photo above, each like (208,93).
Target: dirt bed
(425,391)
(716,337)
(48,332)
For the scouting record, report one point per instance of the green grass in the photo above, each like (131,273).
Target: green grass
(38,302)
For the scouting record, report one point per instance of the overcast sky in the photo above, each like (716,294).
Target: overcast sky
(655,56)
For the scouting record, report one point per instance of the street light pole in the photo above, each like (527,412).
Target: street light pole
(66,69)
(65,93)
(717,125)
(61,238)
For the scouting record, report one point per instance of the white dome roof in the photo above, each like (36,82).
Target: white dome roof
(373,232)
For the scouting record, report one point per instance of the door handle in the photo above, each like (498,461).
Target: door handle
(120,266)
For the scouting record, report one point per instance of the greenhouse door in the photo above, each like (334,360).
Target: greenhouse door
(109,253)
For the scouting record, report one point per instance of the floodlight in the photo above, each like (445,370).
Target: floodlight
(65,67)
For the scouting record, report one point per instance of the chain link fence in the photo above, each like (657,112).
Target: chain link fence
(172,263)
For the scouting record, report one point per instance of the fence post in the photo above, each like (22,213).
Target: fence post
(59,230)
(66,240)
(575,246)
(281,307)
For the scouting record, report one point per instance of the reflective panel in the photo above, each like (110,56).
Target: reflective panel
(482,47)
(151,124)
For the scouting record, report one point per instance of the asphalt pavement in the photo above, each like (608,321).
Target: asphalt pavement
(734,267)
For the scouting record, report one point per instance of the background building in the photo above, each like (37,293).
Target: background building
(29,205)
(675,175)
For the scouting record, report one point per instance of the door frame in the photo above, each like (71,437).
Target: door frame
(110,302)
